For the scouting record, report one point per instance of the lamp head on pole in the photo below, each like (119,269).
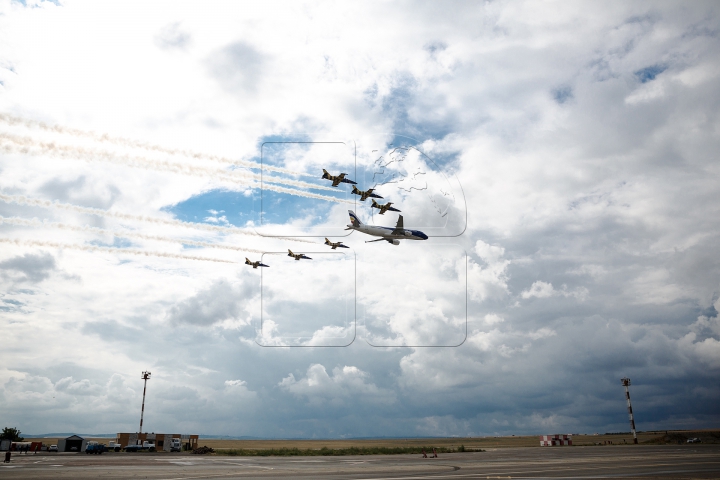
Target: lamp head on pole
(146,375)
(625,382)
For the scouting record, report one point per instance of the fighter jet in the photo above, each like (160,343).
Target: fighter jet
(297,256)
(337,179)
(390,235)
(384,208)
(364,195)
(335,245)
(255,264)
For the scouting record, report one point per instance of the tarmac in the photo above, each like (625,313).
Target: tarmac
(679,461)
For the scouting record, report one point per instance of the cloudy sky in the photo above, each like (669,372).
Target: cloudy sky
(559,155)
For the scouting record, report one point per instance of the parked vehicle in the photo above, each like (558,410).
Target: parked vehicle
(175,445)
(149,446)
(693,440)
(52,448)
(95,447)
(112,446)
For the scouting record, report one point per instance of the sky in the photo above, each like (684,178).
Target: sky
(558,155)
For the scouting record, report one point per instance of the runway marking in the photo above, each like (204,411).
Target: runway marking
(525,473)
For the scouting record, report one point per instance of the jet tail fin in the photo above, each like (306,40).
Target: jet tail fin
(354,219)
(247,261)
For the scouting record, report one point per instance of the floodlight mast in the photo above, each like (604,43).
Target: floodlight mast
(626,383)
(146,377)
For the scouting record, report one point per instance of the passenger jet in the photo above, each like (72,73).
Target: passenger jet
(390,235)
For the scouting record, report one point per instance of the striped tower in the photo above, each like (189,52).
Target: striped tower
(626,384)
(146,377)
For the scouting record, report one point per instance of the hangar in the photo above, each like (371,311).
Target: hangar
(74,443)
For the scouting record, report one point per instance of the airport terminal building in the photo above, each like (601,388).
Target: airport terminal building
(161,440)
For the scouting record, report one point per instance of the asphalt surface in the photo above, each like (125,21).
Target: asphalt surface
(696,461)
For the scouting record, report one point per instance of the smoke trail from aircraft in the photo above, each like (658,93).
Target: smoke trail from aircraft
(34,202)
(27,145)
(105,138)
(95,248)
(101,231)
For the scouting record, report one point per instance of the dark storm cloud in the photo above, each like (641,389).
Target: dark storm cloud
(237,66)
(33,268)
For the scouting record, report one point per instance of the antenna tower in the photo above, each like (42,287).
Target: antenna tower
(626,383)
(146,377)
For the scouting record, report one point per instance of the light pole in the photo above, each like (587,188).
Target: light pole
(146,377)
(626,383)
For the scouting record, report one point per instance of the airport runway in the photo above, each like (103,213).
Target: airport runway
(685,461)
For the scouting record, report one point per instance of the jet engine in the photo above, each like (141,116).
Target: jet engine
(395,242)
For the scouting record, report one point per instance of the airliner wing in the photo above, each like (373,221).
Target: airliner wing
(399,229)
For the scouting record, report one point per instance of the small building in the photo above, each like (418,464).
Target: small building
(74,443)
(555,440)
(161,440)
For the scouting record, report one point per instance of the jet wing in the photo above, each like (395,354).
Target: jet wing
(336,181)
(399,228)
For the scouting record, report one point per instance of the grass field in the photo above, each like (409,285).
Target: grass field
(413,445)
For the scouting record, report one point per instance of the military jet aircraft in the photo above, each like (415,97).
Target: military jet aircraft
(390,235)
(384,208)
(337,179)
(364,195)
(297,256)
(335,245)
(255,264)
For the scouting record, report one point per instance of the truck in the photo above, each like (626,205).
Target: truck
(95,447)
(175,445)
(149,446)
(116,447)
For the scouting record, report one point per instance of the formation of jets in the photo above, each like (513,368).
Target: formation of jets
(384,208)
(389,234)
(335,245)
(255,264)
(366,194)
(337,179)
(298,256)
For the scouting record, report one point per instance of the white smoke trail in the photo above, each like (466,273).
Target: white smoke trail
(101,231)
(26,145)
(104,137)
(34,202)
(95,248)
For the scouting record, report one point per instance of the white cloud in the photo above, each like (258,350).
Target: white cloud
(592,220)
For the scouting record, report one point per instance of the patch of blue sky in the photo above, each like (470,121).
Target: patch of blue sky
(273,148)
(406,96)
(24,3)
(219,207)
(649,74)
(281,208)
(562,94)
(116,243)
(434,161)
